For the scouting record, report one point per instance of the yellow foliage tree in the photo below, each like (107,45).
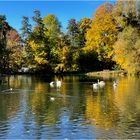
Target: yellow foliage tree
(127,50)
(39,53)
(103,33)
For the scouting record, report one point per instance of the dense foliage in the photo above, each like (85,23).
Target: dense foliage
(110,40)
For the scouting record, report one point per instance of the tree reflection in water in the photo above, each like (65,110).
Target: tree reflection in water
(76,112)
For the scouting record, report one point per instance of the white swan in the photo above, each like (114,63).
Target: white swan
(95,86)
(56,84)
(52,84)
(101,83)
(52,98)
(11,89)
(115,84)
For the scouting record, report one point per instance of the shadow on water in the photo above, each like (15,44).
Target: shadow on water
(30,108)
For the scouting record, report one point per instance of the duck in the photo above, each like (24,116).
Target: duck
(101,83)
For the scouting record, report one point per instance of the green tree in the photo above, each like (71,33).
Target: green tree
(38,44)
(73,33)
(26,34)
(39,26)
(26,27)
(53,26)
(54,35)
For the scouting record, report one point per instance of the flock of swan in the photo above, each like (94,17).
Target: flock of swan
(57,84)
(99,84)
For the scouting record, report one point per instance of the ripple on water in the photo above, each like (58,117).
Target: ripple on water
(4,127)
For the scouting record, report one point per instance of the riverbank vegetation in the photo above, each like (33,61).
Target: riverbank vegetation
(108,41)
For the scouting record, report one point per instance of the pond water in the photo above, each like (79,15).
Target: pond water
(34,110)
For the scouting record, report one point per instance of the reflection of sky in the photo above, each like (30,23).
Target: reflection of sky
(64,10)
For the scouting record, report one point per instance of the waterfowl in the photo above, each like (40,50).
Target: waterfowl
(52,84)
(11,89)
(56,84)
(52,98)
(101,83)
(95,85)
(115,84)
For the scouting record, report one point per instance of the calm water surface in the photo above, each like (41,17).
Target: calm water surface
(77,111)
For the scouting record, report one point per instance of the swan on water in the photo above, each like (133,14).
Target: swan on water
(115,84)
(11,89)
(52,98)
(101,83)
(95,85)
(52,84)
(56,84)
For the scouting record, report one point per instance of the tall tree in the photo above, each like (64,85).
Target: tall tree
(127,13)
(54,35)
(53,25)
(84,26)
(73,33)
(39,26)
(127,50)
(102,34)
(4,27)
(15,48)
(26,27)
(38,43)
(26,35)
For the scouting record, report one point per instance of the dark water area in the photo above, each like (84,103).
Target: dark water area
(31,109)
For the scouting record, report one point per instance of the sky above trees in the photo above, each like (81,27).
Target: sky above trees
(64,10)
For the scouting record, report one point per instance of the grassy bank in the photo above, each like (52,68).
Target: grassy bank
(107,73)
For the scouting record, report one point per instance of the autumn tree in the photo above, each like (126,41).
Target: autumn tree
(38,43)
(102,34)
(126,13)
(4,27)
(15,49)
(127,50)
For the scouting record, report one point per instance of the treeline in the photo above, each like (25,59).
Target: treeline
(110,40)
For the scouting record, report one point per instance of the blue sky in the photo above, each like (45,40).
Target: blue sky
(63,10)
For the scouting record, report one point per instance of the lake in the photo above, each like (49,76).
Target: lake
(34,110)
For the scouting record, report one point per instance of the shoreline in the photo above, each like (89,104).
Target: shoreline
(108,73)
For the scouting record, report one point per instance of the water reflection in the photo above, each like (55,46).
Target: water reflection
(77,111)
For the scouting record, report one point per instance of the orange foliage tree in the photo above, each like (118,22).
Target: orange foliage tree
(103,33)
